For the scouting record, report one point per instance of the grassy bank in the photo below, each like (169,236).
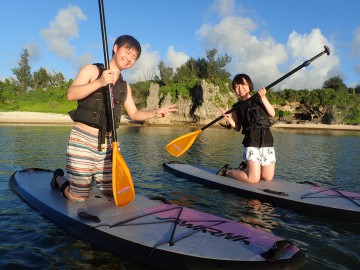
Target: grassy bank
(39,101)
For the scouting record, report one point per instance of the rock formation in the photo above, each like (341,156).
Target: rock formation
(203,107)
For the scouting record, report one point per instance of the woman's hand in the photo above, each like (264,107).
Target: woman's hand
(262,92)
(231,118)
(269,108)
(227,116)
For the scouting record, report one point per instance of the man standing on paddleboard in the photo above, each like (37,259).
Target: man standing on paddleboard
(89,151)
(252,116)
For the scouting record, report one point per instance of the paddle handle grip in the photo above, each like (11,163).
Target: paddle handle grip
(306,63)
(236,105)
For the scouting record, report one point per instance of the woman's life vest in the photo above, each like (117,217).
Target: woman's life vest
(93,110)
(255,122)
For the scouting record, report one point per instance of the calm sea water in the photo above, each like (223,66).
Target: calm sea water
(28,240)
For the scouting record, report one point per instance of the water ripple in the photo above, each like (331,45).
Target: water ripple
(29,241)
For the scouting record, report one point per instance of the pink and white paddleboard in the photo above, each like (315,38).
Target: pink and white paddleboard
(156,233)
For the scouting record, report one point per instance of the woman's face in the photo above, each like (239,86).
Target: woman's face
(242,89)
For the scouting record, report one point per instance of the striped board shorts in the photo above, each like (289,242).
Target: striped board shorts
(85,163)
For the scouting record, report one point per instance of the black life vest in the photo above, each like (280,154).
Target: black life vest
(255,122)
(93,110)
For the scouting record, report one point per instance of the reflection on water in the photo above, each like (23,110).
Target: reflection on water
(261,215)
(331,158)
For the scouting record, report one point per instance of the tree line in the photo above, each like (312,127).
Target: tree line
(45,91)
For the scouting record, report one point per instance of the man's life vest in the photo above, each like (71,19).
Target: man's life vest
(93,111)
(255,122)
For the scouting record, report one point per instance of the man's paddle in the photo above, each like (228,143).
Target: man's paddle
(180,145)
(122,184)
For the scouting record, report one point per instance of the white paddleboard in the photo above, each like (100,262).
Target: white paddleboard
(306,196)
(156,233)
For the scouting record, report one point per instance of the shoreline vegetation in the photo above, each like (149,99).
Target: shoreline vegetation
(198,87)
(37,118)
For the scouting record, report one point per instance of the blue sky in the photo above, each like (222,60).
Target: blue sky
(265,39)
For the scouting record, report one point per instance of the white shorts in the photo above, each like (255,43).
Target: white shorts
(263,155)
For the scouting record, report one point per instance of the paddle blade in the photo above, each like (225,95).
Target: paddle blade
(180,145)
(123,187)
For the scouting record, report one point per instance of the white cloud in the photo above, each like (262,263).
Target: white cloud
(258,57)
(61,30)
(223,7)
(176,59)
(253,51)
(145,68)
(34,51)
(304,47)
(261,57)
(82,60)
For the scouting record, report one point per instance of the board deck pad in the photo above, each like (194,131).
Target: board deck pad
(305,196)
(156,233)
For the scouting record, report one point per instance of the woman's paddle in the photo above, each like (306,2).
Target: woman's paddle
(122,184)
(180,145)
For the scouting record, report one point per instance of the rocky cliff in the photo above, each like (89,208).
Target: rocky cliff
(202,108)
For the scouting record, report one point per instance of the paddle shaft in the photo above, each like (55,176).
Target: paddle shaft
(107,66)
(306,63)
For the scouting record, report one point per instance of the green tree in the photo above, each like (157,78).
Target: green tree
(353,115)
(57,79)
(211,68)
(215,66)
(7,92)
(166,73)
(329,105)
(318,103)
(289,95)
(357,89)
(186,72)
(140,93)
(23,72)
(335,83)
(41,79)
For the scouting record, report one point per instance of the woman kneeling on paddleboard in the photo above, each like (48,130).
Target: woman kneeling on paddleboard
(252,116)
(89,152)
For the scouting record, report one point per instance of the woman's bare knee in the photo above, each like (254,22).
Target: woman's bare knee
(267,178)
(253,180)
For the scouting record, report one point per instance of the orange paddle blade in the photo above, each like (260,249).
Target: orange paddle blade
(180,145)
(122,184)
